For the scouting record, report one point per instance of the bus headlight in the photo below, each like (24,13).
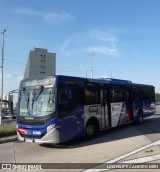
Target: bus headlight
(50,127)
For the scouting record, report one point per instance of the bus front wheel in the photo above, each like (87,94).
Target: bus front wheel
(92,129)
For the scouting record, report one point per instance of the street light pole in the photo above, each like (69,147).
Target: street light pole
(91,54)
(76,65)
(1,109)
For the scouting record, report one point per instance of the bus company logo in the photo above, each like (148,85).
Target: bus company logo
(29,118)
(28,126)
(36,132)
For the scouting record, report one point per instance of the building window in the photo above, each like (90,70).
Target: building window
(43,59)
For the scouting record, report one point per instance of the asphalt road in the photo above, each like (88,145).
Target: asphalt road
(116,145)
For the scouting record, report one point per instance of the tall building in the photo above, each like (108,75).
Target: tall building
(6,98)
(40,62)
(7,105)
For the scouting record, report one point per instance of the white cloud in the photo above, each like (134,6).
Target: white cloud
(103,50)
(104,36)
(97,41)
(49,17)
(65,46)
(64,16)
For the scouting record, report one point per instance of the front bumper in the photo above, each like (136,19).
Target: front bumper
(50,137)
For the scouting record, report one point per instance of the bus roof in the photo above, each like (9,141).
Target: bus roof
(125,82)
(107,80)
(99,80)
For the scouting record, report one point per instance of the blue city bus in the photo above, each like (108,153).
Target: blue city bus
(56,109)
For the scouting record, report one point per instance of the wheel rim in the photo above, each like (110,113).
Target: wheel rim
(90,130)
(140,118)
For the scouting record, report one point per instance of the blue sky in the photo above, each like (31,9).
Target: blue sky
(124,36)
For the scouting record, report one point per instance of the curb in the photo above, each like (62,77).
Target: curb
(8,139)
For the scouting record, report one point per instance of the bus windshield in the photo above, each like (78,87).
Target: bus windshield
(39,101)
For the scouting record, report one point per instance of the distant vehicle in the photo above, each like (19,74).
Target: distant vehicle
(14,116)
(9,117)
(56,109)
(157,102)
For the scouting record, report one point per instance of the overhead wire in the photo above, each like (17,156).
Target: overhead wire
(35,66)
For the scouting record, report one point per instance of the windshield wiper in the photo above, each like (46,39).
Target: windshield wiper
(35,97)
(26,96)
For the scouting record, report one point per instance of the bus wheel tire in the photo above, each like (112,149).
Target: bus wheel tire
(91,130)
(140,118)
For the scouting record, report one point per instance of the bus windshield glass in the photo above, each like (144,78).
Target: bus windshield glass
(39,101)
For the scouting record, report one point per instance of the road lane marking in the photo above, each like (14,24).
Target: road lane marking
(143,159)
(125,156)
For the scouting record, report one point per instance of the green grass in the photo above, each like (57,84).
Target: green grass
(7,131)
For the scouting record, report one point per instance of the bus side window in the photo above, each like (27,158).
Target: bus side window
(68,98)
(62,97)
(91,94)
(137,93)
(117,94)
(67,95)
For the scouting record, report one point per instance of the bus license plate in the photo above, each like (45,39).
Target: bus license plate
(29,140)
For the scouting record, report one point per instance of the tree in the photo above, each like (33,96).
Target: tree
(157,96)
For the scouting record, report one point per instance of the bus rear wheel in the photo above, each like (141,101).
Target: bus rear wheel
(140,118)
(92,129)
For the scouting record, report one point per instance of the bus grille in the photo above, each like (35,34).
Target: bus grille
(33,137)
(35,123)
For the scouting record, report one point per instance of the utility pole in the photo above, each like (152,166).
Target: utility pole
(1,107)
(111,73)
(91,55)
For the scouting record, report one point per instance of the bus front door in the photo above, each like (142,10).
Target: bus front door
(128,102)
(104,109)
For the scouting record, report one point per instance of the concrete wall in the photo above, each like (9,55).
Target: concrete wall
(7,122)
